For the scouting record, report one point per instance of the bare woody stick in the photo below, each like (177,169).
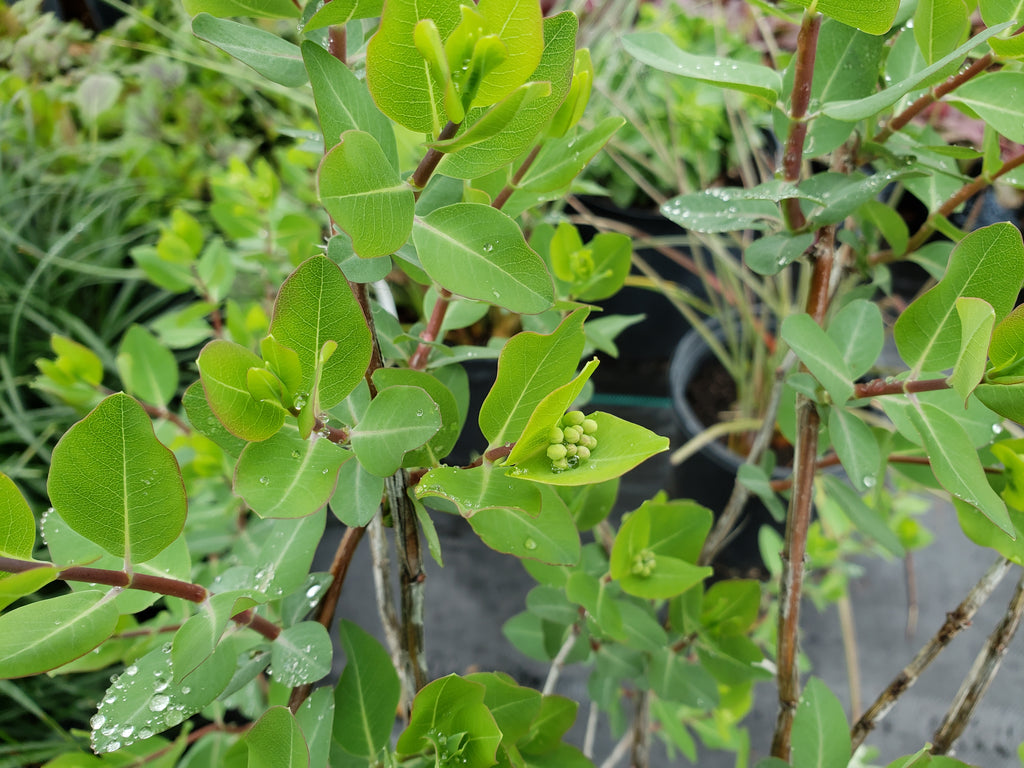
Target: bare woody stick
(956,621)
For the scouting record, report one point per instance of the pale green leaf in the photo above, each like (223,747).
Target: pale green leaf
(999,11)
(223,370)
(856,447)
(548,535)
(276,741)
(113,482)
(17,523)
(342,101)
(316,718)
(821,734)
(495,119)
(555,67)
(271,55)
(998,99)
(301,654)
(399,419)
(858,109)
(659,51)
(820,354)
(48,633)
(519,25)
(674,678)
(478,252)
(859,333)
(868,520)
(315,306)
(771,254)
(450,706)
(442,442)
(987,264)
(286,476)
(530,366)
(148,368)
(16,586)
(956,464)
(357,496)
(716,210)
(361,189)
(977,319)
(940,26)
(203,420)
(366,696)
(288,549)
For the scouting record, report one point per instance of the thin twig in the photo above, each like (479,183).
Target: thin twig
(792,158)
(411,577)
(558,663)
(517,177)
(428,164)
(429,334)
(848,628)
(620,751)
(956,621)
(145,582)
(640,750)
(912,611)
(978,679)
(386,604)
(593,715)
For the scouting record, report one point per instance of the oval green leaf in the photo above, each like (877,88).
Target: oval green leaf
(147,367)
(223,371)
(366,696)
(271,55)
(114,483)
(276,740)
(478,252)
(400,419)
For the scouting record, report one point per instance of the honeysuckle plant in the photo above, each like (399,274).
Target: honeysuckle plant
(816,243)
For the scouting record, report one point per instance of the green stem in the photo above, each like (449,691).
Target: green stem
(160,585)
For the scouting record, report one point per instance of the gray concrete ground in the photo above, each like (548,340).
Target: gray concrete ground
(478,590)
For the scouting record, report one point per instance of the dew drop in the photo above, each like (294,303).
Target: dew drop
(113,746)
(131,670)
(264,480)
(488,247)
(997,429)
(127,732)
(173,718)
(97,720)
(870,481)
(530,544)
(145,733)
(159,703)
(296,454)
(186,690)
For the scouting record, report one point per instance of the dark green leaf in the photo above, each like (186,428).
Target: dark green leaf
(269,54)
(367,694)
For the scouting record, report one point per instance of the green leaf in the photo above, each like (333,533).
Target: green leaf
(478,252)
(1007,349)
(859,333)
(400,419)
(597,597)
(342,101)
(16,586)
(555,67)
(771,254)
(731,607)
(987,264)
(858,109)
(558,163)
(444,709)
(856,447)
(361,189)
(357,495)
(675,679)
(590,504)
(286,476)
(547,535)
(956,464)
(557,714)
(531,365)
(316,718)
(315,306)
(976,321)
(203,420)
(820,354)
(868,520)
(145,700)
(842,195)
(301,654)
(514,707)
(1005,399)
(334,13)
(659,51)
(716,210)
(272,56)
(17,523)
(148,368)
(641,628)
(196,639)
(622,447)
(999,11)
(113,482)
(441,444)
(270,9)
(998,99)
(276,741)
(396,73)
(654,550)
(821,734)
(223,371)
(367,694)
(287,550)
(496,119)
(940,26)
(518,23)
(48,633)
(479,488)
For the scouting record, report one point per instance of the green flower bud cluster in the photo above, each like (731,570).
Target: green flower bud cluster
(572,441)
(644,564)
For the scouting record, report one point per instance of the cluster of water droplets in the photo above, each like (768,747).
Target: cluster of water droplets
(163,709)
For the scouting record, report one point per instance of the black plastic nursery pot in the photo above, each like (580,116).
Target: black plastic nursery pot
(709,475)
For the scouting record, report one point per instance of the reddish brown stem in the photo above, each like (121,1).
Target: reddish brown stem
(506,193)
(880,387)
(792,158)
(160,585)
(965,193)
(418,361)
(823,254)
(425,169)
(926,99)
(376,360)
(337,43)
